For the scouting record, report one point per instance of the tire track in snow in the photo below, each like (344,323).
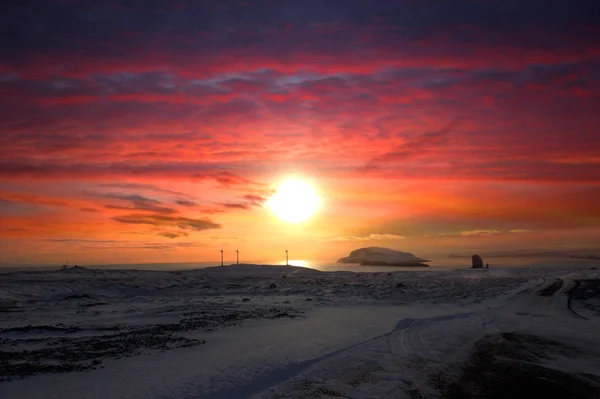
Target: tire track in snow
(570,300)
(408,345)
(407,339)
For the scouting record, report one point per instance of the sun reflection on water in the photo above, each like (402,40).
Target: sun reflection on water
(298,262)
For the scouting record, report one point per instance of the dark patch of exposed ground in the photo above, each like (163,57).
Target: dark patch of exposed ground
(588,294)
(78,354)
(74,349)
(508,366)
(552,288)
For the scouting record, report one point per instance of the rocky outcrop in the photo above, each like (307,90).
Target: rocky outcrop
(378,256)
(477,262)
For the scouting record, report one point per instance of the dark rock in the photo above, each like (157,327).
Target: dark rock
(477,262)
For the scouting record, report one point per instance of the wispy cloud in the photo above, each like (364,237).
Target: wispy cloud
(235,205)
(143,186)
(491,232)
(126,197)
(161,246)
(370,237)
(81,240)
(228,238)
(185,203)
(138,203)
(249,201)
(227,179)
(173,234)
(142,206)
(10,198)
(419,146)
(255,200)
(166,221)
(90,210)
(469,233)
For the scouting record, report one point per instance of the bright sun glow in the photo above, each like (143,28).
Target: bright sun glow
(294,202)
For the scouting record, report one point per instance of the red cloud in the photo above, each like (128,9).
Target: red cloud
(384,92)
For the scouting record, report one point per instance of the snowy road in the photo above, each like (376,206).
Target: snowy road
(406,357)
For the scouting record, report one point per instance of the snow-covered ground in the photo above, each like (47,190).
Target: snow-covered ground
(288,332)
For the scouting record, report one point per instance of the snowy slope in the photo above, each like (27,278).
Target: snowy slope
(269,332)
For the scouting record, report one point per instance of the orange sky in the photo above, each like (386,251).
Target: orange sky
(134,133)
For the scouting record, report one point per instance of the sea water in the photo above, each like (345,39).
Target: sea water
(324,265)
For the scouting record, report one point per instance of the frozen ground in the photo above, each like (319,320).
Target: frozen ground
(286,332)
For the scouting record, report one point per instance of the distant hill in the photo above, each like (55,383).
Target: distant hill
(539,253)
(379,256)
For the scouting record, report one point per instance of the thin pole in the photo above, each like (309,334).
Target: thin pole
(221,257)
(286,258)
(237,256)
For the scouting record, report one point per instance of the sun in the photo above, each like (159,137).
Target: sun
(294,201)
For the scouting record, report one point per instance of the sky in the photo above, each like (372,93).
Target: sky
(156,131)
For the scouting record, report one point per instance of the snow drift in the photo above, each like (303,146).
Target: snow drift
(377,256)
